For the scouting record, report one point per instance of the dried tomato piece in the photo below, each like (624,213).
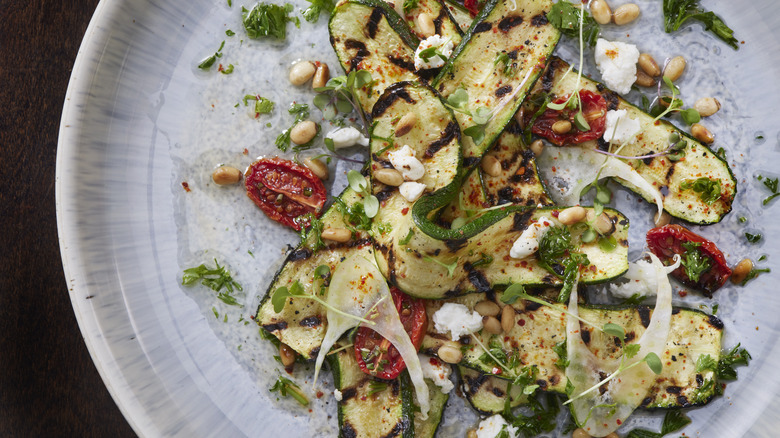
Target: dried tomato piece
(594,110)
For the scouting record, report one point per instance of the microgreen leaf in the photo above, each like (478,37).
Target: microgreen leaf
(371,206)
(690,116)
(449,266)
(512,293)
(279,298)
(458,99)
(614,330)
(286,387)
(357,182)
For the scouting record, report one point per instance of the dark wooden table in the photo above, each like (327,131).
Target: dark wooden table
(49,386)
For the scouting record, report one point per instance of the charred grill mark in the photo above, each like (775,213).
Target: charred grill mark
(602,144)
(401,62)
(644,315)
(502,91)
(670,172)
(514,128)
(603,388)
(483,27)
(531,306)
(648,160)
(314,352)
(512,54)
(548,79)
(311,321)
(373,22)
(391,94)
(675,310)
(439,21)
(520,220)
(385,163)
(715,322)
(539,20)
(347,431)
(473,385)
(360,54)
(455,244)
(299,254)
(396,387)
(348,394)
(398,429)
(497,391)
(479,281)
(549,279)
(428,74)
(612,100)
(646,402)
(453,292)
(554,379)
(470,161)
(683,401)
(270,328)
(450,132)
(385,193)
(630,336)
(505,195)
(508,23)
(673,389)
(585,334)
(542,384)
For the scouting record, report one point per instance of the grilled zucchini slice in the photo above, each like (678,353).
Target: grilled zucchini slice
(488,394)
(665,175)
(539,328)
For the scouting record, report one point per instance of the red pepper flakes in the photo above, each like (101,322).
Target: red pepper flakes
(404,211)
(186,186)
(521,322)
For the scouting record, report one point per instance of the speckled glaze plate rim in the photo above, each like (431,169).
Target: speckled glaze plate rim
(119,382)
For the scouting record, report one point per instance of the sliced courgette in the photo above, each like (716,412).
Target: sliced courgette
(666,175)
(369,407)
(497,62)
(488,394)
(444,24)
(460,14)
(302,323)
(538,329)
(427,428)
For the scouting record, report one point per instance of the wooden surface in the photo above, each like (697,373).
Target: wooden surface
(49,386)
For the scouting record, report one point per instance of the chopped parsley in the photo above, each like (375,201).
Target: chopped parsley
(262,105)
(695,261)
(753,274)
(674,420)
(409,5)
(677,12)
(735,356)
(267,20)
(565,17)
(753,238)
(771,184)
(709,190)
(312,13)
(301,113)
(208,62)
(215,279)
(286,387)
(557,255)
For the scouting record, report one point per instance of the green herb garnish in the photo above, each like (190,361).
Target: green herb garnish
(301,113)
(208,62)
(457,101)
(735,356)
(339,95)
(694,261)
(312,13)
(215,279)
(771,184)
(709,190)
(286,387)
(357,182)
(753,238)
(677,12)
(674,420)
(566,18)
(267,20)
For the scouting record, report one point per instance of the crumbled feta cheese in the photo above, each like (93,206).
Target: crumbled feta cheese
(490,427)
(411,191)
(528,242)
(617,63)
(443,47)
(457,320)
(405,162)
(642,280)
(346,137)
(620,127)
(337,394)
(438,371)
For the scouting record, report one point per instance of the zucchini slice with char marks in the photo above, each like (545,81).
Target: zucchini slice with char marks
(487,394)
(414,265)
(497,62)
(443,22)
(664,174)
(302,324)
(539,328)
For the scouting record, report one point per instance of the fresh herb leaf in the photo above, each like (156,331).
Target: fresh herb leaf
(674,420)
(753,274)
(631,350)
(301,113)
(267,20)
(449,266)
(677,12)
(690,116)
(736,356)
(566,18)
(654,362)
(510,67)
(408,237)
(563,356)
(213,278)
(753,238)
(208,62)
(771,184)
(229,33)
(312,13)
(706,362)
(557,255)
(614,330)
(694,261)
(375,386)
(709,190)
(339,95)
(512,293)
(485,260)
(286,387)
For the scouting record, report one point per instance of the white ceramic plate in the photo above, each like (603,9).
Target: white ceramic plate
(140,119)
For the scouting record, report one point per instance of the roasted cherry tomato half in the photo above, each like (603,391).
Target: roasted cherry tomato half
(285,191)
(594,110)
(473,6)
(375,355)
(703,266)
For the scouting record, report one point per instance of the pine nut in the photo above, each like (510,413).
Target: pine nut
(406,124)
(449,354)
(707,106)
(390,177)
(491,165)
(580,433)
(643,79)
(572,215)
(226,175)
(537,147)
(471,433)
(520,116)
(317,167)
(741,271)
(321,76)
(664,219)
(286,354)
(625,14)
(426,25)
(601,11)
(487,308)
(702,134)
(648,65)
(303,132)
(675,68)
(561,127)
(302,72)
(507,318)
(337,234)
(491,325)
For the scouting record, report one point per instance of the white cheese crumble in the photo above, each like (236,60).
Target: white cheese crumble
(411,191)
(346,137)
(490,427)
(337,394)
(405,162)
(528,242)
(437,371)
(457,320)
(642,280)
(621,128)
(443,46)
(617,63)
